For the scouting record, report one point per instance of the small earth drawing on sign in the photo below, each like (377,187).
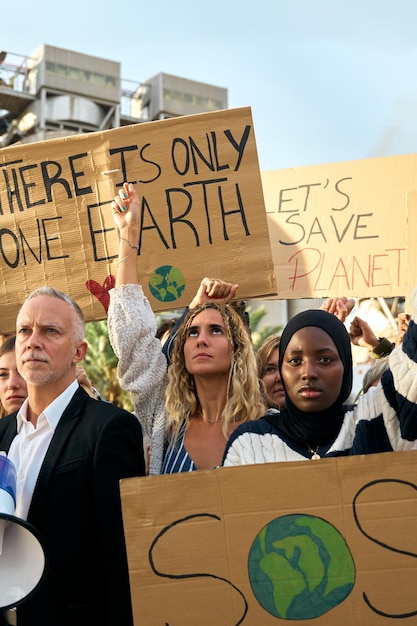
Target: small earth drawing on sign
(167,283)
(300,567)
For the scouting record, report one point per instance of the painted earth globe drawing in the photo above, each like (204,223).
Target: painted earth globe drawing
(300,567)
(167,283)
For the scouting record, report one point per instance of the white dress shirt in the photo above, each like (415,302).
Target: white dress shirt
(30,445)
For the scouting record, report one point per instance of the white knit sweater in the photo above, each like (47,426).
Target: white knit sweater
(142,367)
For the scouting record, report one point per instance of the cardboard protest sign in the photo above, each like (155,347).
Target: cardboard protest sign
(340,228)
(203,212)
(326,542)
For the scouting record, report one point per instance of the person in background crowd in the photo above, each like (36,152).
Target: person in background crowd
(361,334)
(13,389)
(267,362)
(70,452)
(4,336)
(164,330)
(379,348)
(211,384)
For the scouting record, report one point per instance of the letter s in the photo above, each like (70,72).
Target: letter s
(196,574)
(381,543)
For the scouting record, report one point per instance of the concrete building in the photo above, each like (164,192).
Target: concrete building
(56,92)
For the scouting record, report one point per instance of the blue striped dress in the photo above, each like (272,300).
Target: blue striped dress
(176,457)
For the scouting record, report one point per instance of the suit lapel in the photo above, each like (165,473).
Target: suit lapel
(66,425)
(9,434)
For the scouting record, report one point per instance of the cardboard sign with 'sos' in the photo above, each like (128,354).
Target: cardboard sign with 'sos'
(314,543)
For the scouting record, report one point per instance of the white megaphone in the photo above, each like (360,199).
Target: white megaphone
(22,557)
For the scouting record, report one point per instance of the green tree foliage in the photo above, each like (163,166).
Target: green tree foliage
(101,366)
(260,333)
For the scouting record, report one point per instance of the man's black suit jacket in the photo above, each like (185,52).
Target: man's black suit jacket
(76,509)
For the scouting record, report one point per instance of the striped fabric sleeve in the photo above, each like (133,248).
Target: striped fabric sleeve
(387,414)
(401,387)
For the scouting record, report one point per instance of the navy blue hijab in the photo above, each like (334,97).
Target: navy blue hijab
(319,428)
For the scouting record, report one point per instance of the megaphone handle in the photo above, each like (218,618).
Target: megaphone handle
(9,617)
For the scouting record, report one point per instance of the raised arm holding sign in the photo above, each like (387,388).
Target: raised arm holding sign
(212,384)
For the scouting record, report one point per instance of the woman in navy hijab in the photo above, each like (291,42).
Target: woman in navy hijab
(315,363)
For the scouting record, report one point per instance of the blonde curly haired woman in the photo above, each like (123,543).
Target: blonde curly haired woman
(213,387)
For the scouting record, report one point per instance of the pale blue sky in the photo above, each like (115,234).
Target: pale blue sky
(326,80)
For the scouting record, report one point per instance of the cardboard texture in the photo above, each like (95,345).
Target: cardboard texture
(200,188)
(340,228)
(411,246)
(325,542)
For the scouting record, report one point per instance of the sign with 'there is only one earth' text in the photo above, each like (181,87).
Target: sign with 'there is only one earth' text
(202,212)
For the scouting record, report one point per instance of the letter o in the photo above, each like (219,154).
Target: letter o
(6,231)
(185,156)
